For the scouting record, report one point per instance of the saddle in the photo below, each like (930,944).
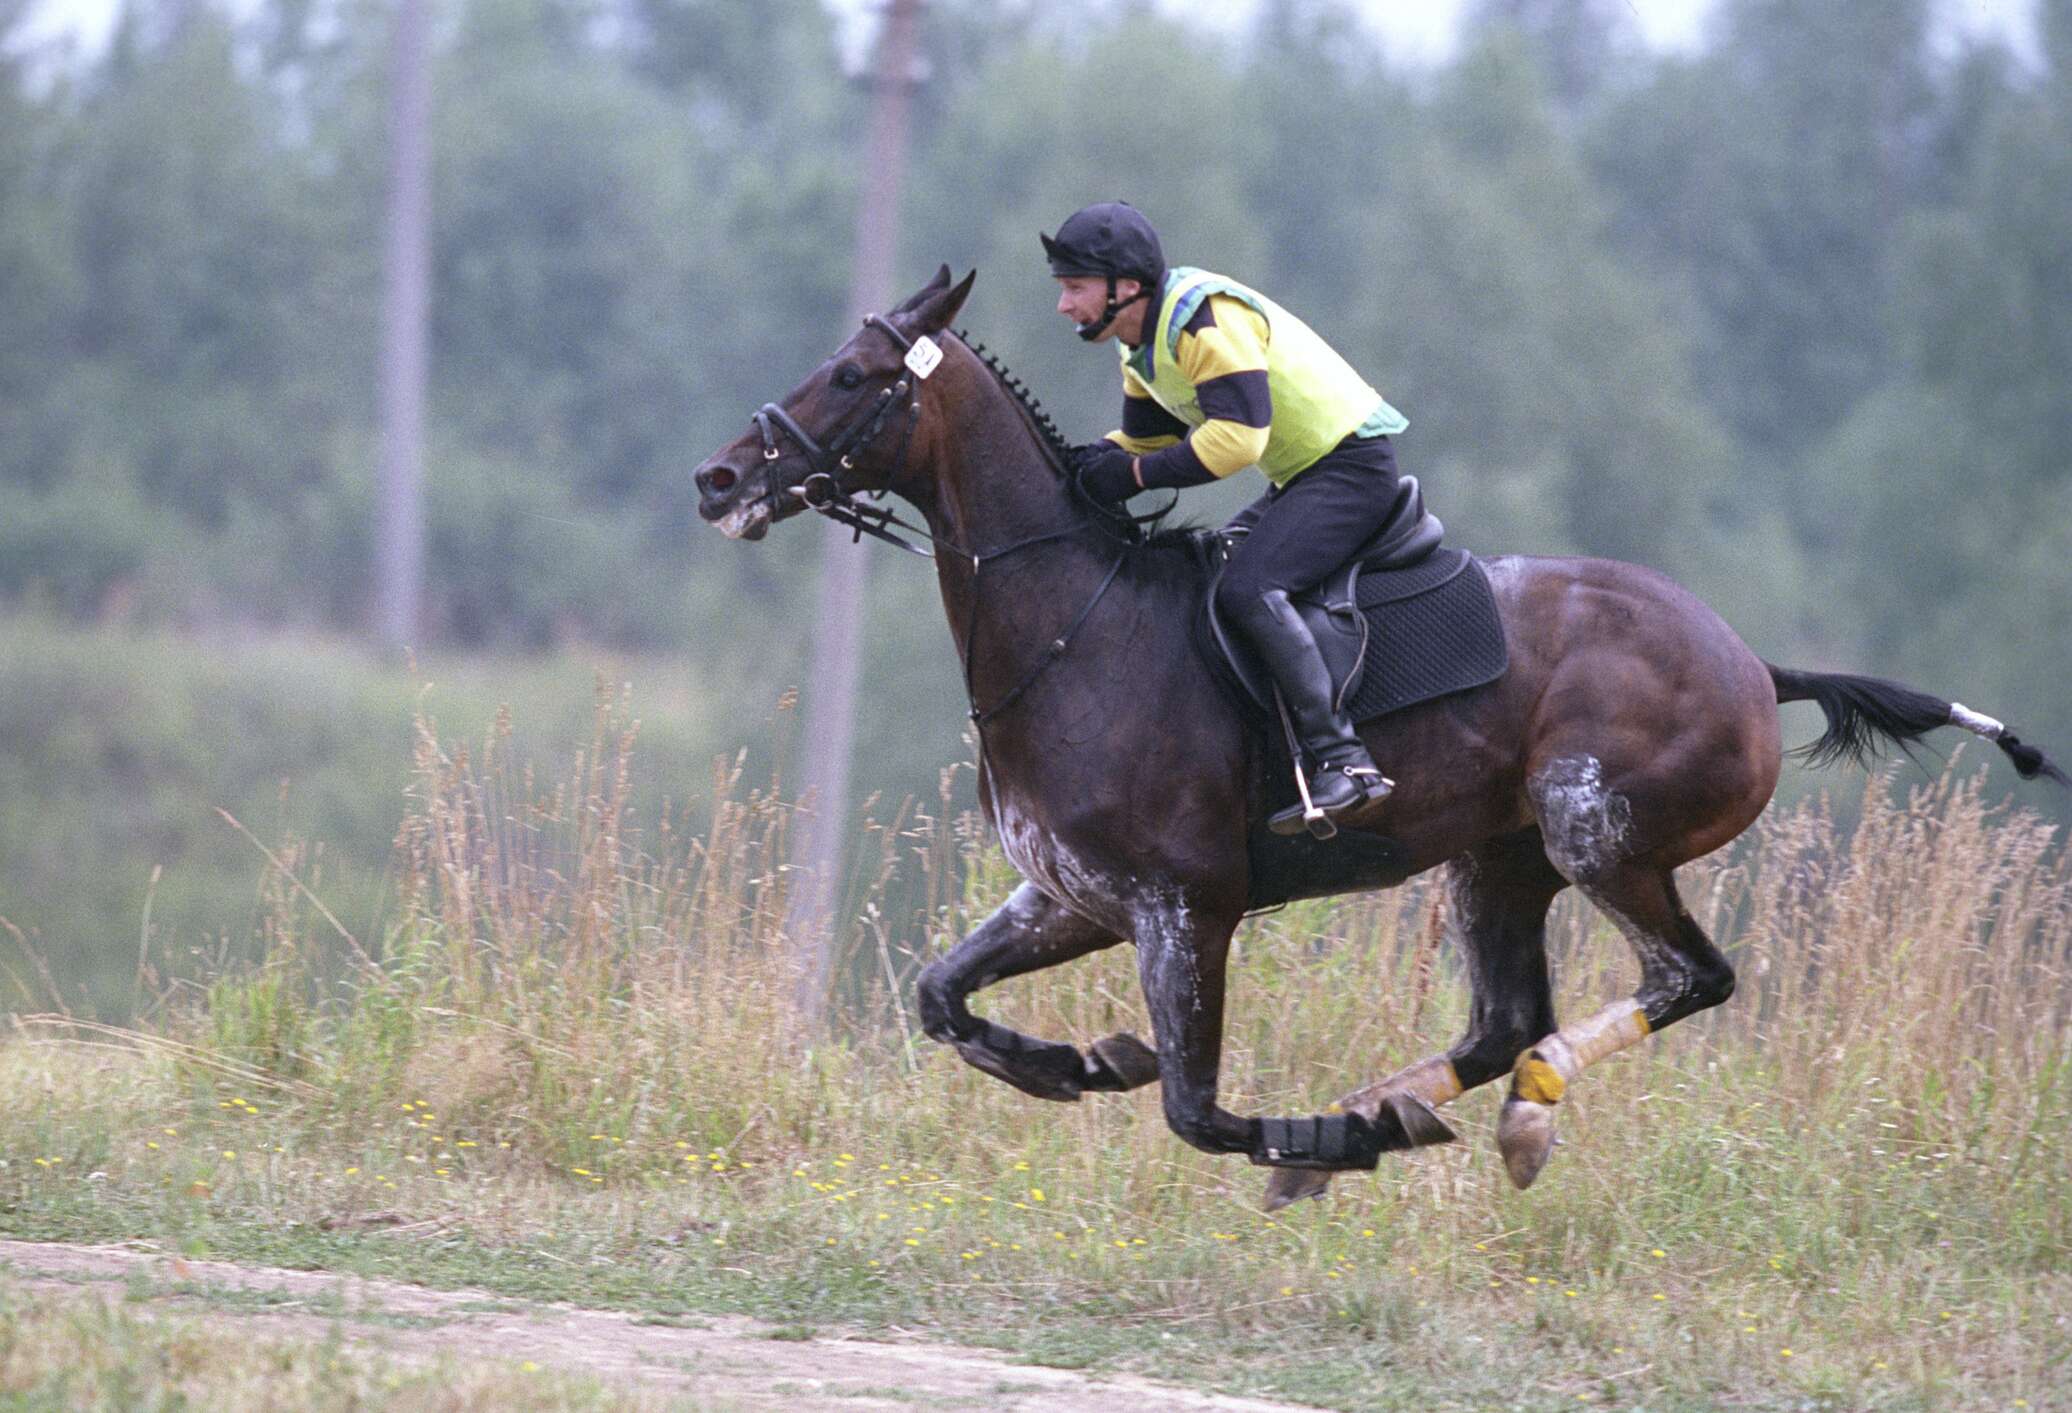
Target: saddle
(1403,622)
(1408,538)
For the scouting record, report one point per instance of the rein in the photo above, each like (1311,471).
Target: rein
(823,492)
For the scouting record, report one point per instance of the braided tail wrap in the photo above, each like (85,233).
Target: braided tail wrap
(1862,710)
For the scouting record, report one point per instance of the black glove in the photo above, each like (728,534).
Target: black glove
(1103,471)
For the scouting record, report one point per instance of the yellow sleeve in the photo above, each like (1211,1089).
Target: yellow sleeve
(1222,351)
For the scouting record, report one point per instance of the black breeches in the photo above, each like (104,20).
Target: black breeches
(1302,531)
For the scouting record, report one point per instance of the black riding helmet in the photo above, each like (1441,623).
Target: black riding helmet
(1109,238)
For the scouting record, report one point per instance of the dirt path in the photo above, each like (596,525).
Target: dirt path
(723,1360)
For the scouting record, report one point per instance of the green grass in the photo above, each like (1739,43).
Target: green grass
(577,1073)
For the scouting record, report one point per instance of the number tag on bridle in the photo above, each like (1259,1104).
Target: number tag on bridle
(923,356)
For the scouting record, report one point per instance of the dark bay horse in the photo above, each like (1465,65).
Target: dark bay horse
(1632,733)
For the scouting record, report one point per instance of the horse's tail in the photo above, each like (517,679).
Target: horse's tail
(1861,709)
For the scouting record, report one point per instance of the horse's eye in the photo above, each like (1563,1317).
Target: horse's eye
(848,376)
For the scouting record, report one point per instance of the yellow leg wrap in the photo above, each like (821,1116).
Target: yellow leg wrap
(1538,1081)
(1525,1131)
(1545,1071)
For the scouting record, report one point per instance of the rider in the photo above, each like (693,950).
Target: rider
(1217,377)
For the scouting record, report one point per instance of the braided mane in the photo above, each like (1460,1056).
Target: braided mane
(1193,540)
(1046,429)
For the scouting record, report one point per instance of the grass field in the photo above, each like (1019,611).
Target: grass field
(121,749)
(572,1067)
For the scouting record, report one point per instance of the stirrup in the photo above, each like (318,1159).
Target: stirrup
(1321,820)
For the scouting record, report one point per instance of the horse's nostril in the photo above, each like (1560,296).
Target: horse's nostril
(719,480)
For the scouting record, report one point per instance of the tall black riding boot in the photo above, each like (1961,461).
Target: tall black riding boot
(1345,776)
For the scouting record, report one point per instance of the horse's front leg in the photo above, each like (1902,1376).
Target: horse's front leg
(1181,958)
(1027,933)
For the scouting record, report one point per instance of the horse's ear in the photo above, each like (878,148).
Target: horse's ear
(939,306)
(913,301)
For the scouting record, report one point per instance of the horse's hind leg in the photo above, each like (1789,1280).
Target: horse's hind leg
(1500,894)
(1183,949)
(1681,972)
(1027,933)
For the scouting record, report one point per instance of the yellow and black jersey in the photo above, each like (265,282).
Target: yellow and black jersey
(1222,354)
(1225,378)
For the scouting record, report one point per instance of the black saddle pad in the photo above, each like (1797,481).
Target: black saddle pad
(1434,630)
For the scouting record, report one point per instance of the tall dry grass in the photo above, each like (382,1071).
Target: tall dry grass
(579,1036)
(558,977)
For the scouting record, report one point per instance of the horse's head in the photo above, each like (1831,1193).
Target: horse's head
(844,430)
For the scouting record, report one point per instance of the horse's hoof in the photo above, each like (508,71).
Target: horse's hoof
(1525,1136)
(1421,1122)
(1287,1186)
(1129,1061)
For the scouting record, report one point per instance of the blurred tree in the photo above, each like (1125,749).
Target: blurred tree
(2054,29)
(739,65)
(643,237)
(1581,46)
(1983,285)
(1942,498)
(194,237)
(38,281)
(1548,389)
(1336,133)
(1766,177)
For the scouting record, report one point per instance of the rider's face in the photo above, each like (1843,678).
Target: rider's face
(1081,298)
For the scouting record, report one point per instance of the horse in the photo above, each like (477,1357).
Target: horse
(1632,731)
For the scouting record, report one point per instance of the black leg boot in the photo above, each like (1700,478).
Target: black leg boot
(1345,776)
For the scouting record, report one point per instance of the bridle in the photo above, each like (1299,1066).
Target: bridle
(823,492)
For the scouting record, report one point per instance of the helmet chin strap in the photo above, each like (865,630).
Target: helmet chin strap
(1110,311)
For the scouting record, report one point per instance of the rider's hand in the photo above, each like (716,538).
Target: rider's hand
(1105,472)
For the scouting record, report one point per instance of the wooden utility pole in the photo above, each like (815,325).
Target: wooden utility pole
(399,530)
(821,834)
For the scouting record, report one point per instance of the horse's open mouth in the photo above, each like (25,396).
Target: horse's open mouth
(750,520)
